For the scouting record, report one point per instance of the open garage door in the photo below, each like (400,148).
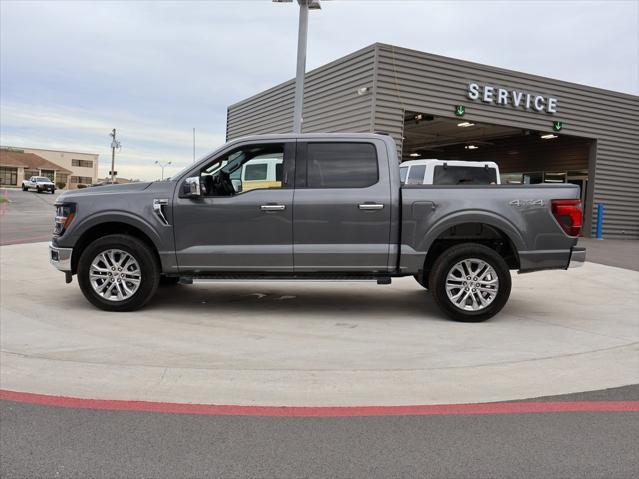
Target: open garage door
(524,156)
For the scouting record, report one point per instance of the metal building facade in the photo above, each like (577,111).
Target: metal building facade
(401,80)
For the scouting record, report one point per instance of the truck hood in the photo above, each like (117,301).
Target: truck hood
(129,188)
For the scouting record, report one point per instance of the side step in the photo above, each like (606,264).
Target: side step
(233,277)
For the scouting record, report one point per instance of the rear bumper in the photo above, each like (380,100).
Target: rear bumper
(577,257)
(540,260)
(60,257)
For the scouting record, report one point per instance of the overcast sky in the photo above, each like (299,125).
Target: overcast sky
(72,71)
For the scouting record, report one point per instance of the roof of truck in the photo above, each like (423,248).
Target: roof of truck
(435,161)
(297,136)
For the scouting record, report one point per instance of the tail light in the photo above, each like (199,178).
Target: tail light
(63,217)
(569,215)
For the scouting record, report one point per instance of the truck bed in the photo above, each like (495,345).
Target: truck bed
(521,212)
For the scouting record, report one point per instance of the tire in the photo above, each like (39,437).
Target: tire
(142,263)
(460,258)
(53,191)
(169,280)
(24,188)
(38,190)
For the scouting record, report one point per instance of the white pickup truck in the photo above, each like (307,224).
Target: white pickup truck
(38,183)
(441,172)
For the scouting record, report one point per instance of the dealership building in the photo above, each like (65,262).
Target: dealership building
(537,129)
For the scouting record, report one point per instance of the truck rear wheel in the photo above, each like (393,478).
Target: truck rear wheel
(118,273)
(470,282)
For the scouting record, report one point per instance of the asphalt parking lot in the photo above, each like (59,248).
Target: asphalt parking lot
(27,217)
(42,441)
(325,346)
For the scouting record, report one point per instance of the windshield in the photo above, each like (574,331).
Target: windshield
(42,178)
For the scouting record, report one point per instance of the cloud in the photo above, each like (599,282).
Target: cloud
(72,71)
(144,141)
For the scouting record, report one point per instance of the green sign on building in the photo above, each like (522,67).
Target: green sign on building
(460,110)
(557,125)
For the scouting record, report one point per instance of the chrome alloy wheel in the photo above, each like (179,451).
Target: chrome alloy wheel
(115,275)
(472,284)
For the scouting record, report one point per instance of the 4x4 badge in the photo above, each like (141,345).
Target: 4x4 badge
(520,203)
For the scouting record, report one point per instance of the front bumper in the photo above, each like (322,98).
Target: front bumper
(60,257)
(577,257)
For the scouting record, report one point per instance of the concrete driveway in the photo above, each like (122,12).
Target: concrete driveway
(314,344)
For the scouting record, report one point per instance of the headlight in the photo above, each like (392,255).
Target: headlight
(63,217)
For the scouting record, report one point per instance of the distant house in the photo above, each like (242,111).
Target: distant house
(17,165)
(68,168)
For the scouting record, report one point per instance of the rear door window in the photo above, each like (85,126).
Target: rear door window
(341,165)
(416,175)
(464,175)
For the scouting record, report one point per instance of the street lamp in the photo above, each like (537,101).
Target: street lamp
(162,166)
(115,144)
(305,6)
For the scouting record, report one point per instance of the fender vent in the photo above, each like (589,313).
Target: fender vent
(159,208)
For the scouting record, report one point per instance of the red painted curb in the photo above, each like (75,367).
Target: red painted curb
(330,411)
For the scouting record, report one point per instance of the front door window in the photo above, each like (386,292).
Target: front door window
(250,168)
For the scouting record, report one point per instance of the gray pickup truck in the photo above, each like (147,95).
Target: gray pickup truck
(313,207)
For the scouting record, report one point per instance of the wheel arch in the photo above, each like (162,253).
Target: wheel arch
(488,230)
(98,229)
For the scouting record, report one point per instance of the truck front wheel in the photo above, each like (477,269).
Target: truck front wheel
(470,282)
(118,273)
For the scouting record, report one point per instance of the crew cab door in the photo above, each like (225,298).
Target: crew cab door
(342,206)
(248,228)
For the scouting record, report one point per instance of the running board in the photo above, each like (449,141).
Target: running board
(226,278)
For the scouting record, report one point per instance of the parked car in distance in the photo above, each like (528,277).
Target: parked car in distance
(38,183)
(337,212)
(441,172)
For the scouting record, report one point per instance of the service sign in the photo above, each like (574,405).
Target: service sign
(514,98)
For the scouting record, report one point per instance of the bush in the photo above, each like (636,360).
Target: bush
(60,185)
(80,186)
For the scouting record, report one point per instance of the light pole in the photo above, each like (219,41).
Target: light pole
(298,111)
(162,166)
(114,144)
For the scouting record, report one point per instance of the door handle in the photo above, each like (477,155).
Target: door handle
(272,207)
(370,206)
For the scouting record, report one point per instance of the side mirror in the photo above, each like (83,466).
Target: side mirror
(191,187)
